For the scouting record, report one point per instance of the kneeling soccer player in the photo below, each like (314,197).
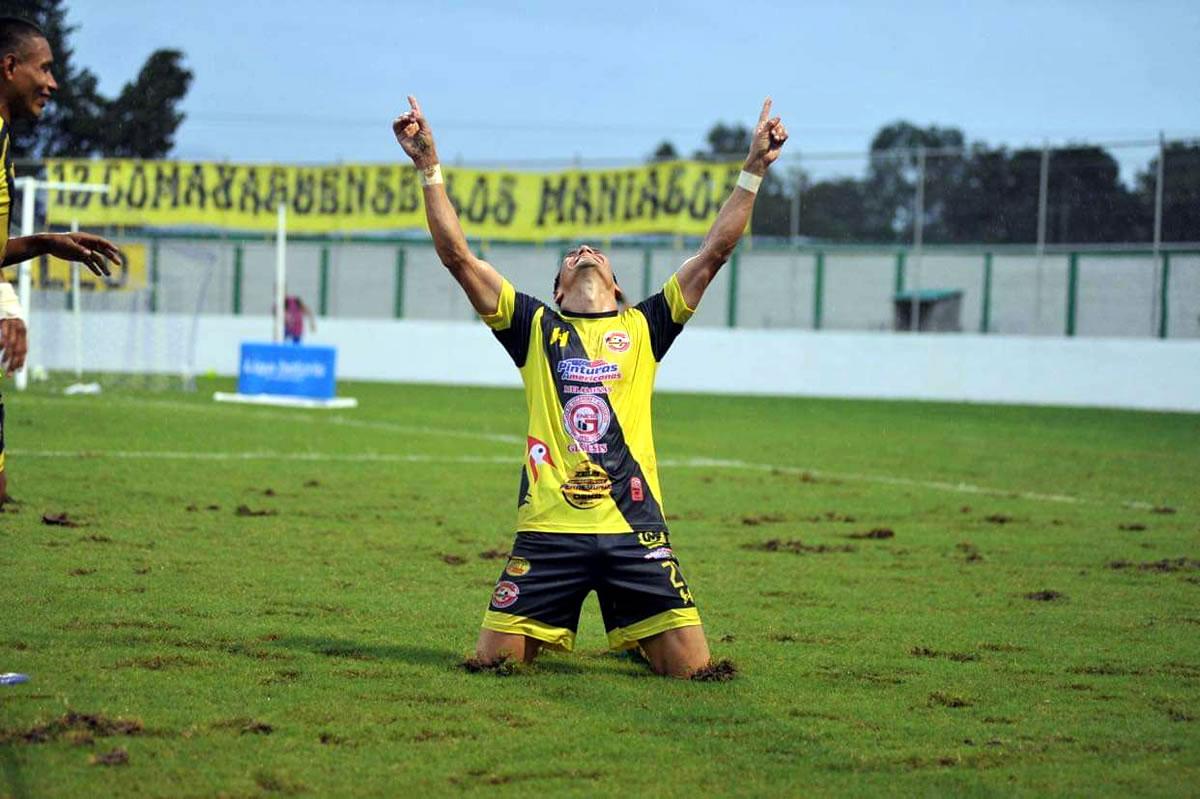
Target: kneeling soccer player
(589,512)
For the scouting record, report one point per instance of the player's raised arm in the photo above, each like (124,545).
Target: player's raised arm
(478,279)
(699,270)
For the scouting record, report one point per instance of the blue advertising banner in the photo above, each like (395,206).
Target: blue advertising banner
(287,370)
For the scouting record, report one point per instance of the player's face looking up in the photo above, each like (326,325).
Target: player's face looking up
(27,71)
(584,262)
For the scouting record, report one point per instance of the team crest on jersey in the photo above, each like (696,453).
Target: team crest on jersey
(517,567)
(506,594)
(581,370)
(587,487)
(587,418)
(616,340)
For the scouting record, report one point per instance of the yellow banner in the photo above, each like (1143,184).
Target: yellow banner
(679,197)
(52,274)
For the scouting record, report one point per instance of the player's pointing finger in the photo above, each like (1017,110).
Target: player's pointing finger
(416,107)
(766,111)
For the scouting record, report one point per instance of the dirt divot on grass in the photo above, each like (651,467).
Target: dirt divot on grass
(957,657)
(998,518)
(1162,510)
(493,554)
(74,725)
(60,519)
(244,725)
(1165,566)
(876,534)
(763,518)
(1131,527)
(943,699)
(1003,648)
(271,782)
(117,757)
(246,511)
(453,560)
(96,539)
(312,483)
(797,547)
(81,572)
(156,662)
(1046,596)
(503,666)
(970,551)
(722,670)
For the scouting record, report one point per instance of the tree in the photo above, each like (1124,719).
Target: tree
(894,170)
(664,152)
(834,210)
(1181,192)
(1087,202)
(142,120)
(725,143)
(79,121)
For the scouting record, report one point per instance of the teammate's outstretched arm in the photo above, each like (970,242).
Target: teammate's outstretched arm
(91,250)
(479,280)
(699,270)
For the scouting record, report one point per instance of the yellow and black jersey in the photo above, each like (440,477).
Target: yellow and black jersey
(589,455)
(8,189)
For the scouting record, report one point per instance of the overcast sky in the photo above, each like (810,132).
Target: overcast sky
(307,81)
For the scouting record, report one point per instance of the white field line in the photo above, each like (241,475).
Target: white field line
(368,457)
(685,463)
(294,416)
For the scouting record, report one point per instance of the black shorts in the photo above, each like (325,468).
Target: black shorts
(635,576)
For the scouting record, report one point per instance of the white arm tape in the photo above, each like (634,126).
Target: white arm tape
(750,182)
(10,306)
(432,175)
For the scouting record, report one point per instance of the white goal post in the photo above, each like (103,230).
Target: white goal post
(30,187)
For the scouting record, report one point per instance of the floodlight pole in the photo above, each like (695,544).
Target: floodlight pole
(914,308)
(280,271)
(76,311)
(29,189)
(1155,309)
(1043,202)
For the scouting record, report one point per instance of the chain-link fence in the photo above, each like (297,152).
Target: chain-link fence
(1086,291)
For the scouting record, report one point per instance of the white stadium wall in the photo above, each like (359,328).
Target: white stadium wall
(1105,372)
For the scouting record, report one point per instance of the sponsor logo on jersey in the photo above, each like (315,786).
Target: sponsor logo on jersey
(506,594)
(616,340)
(587,487)
(591,449)
(587,418)
(517,567)
(581,370)
(636,492)
(571,388)
(559,336)
(662,553)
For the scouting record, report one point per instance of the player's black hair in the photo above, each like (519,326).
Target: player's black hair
(558,279)
(14,32)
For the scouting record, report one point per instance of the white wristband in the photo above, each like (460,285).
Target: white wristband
(10,306)
(749,182)
(431,175)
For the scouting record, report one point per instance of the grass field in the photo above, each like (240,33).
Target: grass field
(1031,627)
